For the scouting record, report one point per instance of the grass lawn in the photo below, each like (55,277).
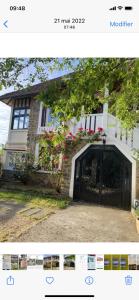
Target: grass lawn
(34,198)
(24,207)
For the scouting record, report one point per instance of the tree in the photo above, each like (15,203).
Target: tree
(85,87)
(22,72)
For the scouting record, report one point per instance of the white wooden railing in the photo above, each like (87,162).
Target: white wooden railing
(42,129)
(112,127)
(91,121)
(108,122)
(115,130)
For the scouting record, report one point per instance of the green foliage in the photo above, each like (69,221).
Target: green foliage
(36,199)
(51,146)
(86,87)
(23,165)
(21,72)
(59,144)
(136,154)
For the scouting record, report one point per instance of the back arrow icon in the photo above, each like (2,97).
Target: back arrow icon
(5,23)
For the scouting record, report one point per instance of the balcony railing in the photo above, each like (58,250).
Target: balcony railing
(87,122)
(42,129)
(115,130)
(108,122)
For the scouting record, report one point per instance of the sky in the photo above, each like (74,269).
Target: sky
(5,110)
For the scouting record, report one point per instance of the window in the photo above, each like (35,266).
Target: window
(51,120)
(47,118)
(20,118)
(43,119)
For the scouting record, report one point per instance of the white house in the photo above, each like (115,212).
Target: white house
(107,173)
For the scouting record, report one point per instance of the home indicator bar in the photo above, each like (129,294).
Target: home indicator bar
(70,296)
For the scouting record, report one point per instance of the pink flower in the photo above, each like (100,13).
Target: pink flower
(73,137)
(91,131)
(69,136)
(65,157)
(100,129)
(80,129)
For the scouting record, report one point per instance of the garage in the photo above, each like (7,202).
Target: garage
(103,176)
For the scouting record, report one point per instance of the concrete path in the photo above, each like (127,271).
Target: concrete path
(8,210)
(85,223)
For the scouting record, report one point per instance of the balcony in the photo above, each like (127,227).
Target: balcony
(108,122)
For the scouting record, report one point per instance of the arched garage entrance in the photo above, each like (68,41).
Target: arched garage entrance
(103,175)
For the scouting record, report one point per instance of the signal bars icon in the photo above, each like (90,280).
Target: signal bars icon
(113,8)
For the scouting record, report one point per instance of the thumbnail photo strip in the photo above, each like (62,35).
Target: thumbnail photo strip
(70,262)
(69,151)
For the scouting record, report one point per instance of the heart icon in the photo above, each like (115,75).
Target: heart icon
(49,280)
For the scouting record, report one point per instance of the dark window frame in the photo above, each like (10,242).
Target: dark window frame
(44,116)
(24,115)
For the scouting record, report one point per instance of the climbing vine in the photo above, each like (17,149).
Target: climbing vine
(56,146)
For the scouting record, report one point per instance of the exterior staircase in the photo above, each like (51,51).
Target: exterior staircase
(112,127)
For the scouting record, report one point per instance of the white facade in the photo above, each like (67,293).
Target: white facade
(17,139)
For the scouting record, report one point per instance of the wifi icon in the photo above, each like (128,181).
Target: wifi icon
(120,7)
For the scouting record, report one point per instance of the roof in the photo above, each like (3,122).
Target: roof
(27,92)
(33,90)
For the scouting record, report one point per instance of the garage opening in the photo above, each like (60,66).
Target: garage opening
(103,175)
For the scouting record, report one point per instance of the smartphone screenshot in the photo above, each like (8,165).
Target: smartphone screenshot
(69,149)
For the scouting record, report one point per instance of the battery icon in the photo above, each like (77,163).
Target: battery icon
(128,7)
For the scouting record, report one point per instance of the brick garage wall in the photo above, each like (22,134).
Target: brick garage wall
(33,125)
(67,165)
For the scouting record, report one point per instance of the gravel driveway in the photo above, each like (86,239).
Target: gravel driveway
(84,223)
